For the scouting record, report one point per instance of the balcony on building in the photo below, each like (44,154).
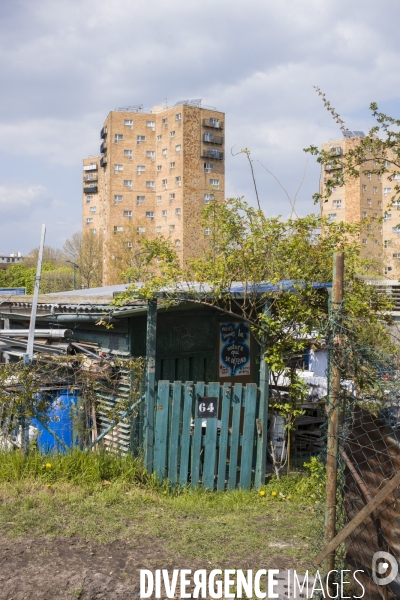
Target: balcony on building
(89,179)
(213,124)
(103,161)
(215,154)
(336,151)
(210,138)
(91,167)
(103,133)
(334,166)
(90,190)
(103,148)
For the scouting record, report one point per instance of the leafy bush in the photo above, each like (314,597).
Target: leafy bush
(305,488)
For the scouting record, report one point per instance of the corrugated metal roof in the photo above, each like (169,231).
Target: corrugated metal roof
(99,300)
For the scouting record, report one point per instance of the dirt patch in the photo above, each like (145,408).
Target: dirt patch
(71,569)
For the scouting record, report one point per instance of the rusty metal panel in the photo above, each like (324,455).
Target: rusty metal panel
(371,457)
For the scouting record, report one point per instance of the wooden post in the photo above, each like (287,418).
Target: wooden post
(150,379)
(259,478)
(333,411)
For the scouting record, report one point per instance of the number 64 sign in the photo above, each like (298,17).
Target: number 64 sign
(207,407)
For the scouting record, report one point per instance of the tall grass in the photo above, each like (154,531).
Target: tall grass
(89,469)
(80,468)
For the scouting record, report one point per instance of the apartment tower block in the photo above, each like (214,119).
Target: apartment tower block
(368,196)
(157,170)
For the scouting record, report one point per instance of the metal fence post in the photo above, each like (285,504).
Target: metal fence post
(150,379)
(333,410)
(262,422)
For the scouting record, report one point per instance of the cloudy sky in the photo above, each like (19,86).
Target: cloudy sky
(65,64)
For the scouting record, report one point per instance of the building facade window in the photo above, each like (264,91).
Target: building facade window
(118,168)
(214,183)
(140,169)
(172,196)
(172,165)
(150,184)
(140,139)
(159,138)
(332,216)
(150,124)
(374,190)
(93,210)
(208,167)
(337,204)
(128,153)
(141,229)
(118,137)
(178,212)
(207,198)
(158,199)
(164,213)
(128,123)
(386,191)
(89,220)
(172,134)
(150,154)
(150,214)
(128,213)
(178,148)
(178,117)
(128,183)
(140,200)
(118,198)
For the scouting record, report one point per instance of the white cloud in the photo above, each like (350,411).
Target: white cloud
(66,64)
(17,203)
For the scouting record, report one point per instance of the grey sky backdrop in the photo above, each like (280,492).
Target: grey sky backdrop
(65,64)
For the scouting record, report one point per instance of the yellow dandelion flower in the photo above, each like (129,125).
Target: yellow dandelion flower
(273,493)
(48,485)
(287,497)
(48,465)
(262,493)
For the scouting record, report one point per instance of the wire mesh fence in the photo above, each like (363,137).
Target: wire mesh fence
(367,402)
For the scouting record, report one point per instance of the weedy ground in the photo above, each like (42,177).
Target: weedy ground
(83,525)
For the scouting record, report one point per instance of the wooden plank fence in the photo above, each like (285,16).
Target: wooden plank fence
(224,452)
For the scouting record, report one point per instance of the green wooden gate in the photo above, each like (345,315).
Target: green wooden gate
(225,452)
